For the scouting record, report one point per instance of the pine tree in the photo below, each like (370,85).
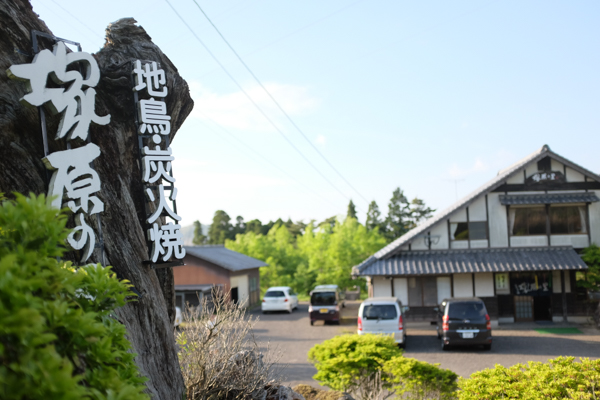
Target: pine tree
(373,218)
(419,212)
(199,238)
(351,213)
(398,219)
(220,229)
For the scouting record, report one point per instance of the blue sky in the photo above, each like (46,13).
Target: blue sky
(434,97)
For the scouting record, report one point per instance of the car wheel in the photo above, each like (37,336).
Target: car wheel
(445,346)
(439,335)
(311,323)
(487,346)
(290,310)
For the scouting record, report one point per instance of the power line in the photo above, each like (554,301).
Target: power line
(265,159)
(78,20)
(277,103)
(253,102)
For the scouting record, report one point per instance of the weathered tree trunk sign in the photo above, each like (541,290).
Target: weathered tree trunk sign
(121,196)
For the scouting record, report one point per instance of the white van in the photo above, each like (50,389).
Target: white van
(382,315)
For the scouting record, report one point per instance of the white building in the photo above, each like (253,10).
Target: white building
(513,242)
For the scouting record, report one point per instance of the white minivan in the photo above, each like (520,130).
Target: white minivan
(382,315)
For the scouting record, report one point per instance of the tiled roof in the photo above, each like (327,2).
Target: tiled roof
(454,261)
(548,198)
(223,257)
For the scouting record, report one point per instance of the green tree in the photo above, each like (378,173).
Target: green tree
(590,279)
(221,228)
(254,226)
(374,218)
(199,238)
(59,338)
(328,223)
(239,228)
(419,212)
(351,213)
(398,219)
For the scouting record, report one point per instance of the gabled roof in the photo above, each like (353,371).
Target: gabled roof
(453,261)
(228,259)
(500,179)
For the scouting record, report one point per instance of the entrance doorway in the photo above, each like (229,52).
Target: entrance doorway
(523,308)
(542,308)
(234,295)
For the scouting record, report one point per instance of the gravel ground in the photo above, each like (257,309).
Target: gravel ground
(292,335)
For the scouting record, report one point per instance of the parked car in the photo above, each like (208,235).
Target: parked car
(382,315)
(279,298)
(464,322)
(325,303)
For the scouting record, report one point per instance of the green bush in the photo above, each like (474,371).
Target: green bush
(415,379)
(346,361)
(373,367)
(57,337)
(561,378)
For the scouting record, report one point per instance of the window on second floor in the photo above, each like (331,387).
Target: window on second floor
(465,231)
(527,221)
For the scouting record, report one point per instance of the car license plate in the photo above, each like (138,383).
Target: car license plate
(323,311)
(468,335)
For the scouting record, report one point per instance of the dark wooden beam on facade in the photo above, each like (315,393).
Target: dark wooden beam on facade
(548,186)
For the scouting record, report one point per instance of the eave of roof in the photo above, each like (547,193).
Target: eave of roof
(225,258)
(436,262)
(503,175)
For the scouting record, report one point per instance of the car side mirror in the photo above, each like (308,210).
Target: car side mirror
(405,309)
(436,309)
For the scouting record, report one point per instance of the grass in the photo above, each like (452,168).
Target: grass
(558,331)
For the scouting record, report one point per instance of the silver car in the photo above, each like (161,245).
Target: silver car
(382,315)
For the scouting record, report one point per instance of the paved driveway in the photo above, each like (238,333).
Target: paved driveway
(513,343)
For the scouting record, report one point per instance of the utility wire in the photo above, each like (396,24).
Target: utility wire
(264,158)
(277,103)
(78,20)
(253,102)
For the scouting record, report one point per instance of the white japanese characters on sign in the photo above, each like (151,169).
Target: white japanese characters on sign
(74,181)
(155,124)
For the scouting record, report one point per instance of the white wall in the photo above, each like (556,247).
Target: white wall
(419,243)
(476,244)
(577,241)
(477,210)
(241,283)
(444,288)
(463,285)
(531,169)
(556,166)
(460,244)
(484,284)
(528,241)
(440,230)
(401,290)
(459,216)
(574,176)
(498,228)
(516,179)
(381,287)
(556,282)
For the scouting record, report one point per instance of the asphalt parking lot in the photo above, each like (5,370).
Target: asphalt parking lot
(292,335)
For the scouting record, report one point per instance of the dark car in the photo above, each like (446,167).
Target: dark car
(464,322)
(325,302)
